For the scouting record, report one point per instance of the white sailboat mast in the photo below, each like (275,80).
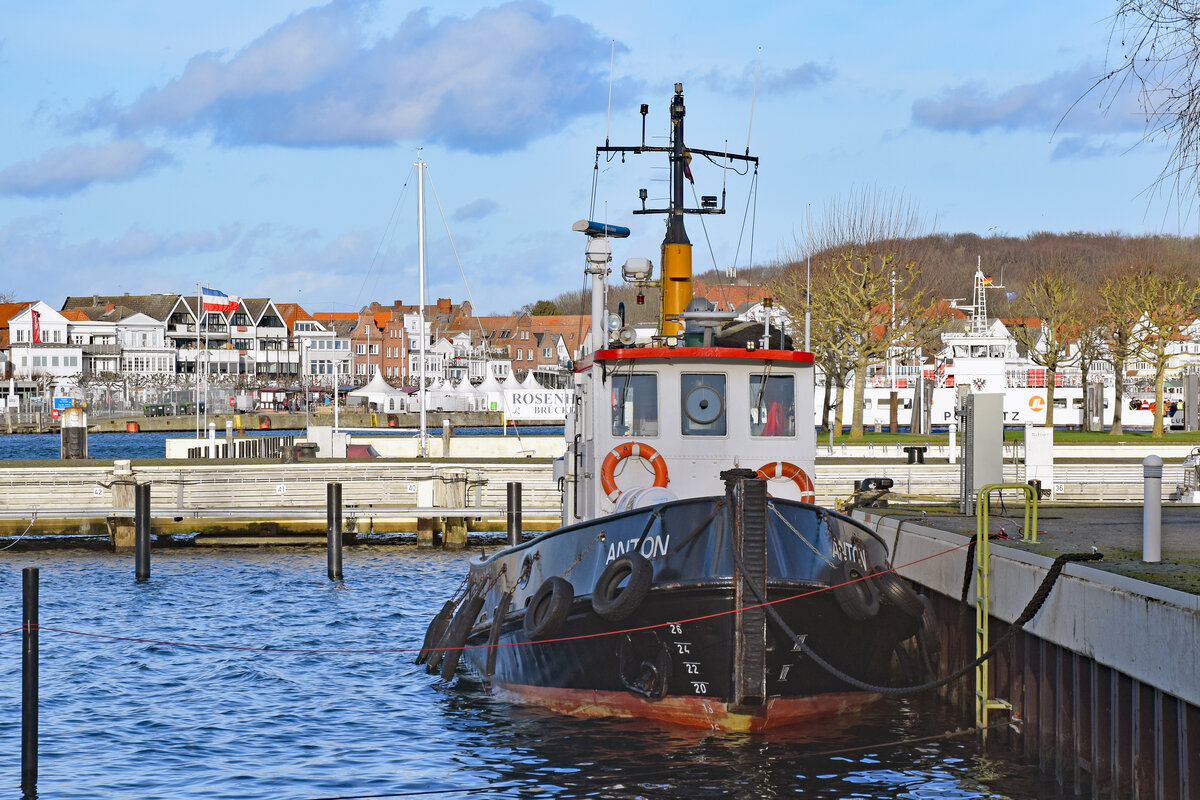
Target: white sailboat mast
(423,447)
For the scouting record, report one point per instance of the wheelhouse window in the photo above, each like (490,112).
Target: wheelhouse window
(702,403)
(635,405)
(772,405)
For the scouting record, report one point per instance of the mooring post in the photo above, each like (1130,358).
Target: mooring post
(141,533)
(333,528)
(514,513)
(1152,470)
(29,682)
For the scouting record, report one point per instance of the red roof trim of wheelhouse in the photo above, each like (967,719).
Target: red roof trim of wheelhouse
(729,353)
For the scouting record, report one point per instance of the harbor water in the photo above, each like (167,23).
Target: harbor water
(247,674)
(107,446)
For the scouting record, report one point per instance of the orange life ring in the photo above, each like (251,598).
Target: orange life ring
(622,452)
(786,469)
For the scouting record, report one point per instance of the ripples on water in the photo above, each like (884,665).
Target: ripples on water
(138,719)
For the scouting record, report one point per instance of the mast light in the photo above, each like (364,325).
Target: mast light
(637,269)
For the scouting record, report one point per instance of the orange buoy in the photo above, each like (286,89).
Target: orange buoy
(393,420)
(132,427)
(264,423)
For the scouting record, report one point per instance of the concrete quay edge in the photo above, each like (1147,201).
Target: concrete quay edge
(1146,631)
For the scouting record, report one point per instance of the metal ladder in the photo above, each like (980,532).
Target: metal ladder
(983,701)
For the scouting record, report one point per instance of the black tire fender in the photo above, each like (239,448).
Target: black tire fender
(549,608)
(435,631)
(928,636)
(898,592)
(614,601)
(498,615)
(456,635)
(856,593)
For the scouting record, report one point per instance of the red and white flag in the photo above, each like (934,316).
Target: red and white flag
(216,300)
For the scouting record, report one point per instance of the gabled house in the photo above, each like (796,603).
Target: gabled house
(41,350)
(7,312)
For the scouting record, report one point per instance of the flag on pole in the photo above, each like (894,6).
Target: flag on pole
(216,300)
(37,326)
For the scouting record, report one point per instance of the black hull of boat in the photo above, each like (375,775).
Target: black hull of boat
(699,648)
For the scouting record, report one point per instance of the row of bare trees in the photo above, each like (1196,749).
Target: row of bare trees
(863,278)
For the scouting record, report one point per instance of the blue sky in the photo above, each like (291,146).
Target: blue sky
(266,148)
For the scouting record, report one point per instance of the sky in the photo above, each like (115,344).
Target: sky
(266,149)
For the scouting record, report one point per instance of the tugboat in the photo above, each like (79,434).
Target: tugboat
(693,580)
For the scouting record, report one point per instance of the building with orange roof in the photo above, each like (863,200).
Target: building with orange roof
(728,297)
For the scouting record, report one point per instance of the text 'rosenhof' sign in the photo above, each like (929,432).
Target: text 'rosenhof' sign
(544,404)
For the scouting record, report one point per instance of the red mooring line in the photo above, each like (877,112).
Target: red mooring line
(370,651)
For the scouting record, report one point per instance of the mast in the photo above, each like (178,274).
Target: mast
(676,247)
(423,447)
(979,317)
(199,306)
(676,275)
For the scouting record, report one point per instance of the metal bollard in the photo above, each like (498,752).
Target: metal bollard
(141,531)
(29,683)
(1152,470)
(514,513)
(333,530)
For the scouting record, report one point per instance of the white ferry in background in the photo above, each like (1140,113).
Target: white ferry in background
(984,357)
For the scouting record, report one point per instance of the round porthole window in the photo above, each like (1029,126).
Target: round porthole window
(703,405)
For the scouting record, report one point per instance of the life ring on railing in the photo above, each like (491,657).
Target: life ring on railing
(623,451)
(786,469)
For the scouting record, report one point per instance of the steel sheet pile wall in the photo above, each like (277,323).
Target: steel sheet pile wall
(1104,682)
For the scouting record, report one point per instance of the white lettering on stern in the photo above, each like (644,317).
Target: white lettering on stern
(652,547)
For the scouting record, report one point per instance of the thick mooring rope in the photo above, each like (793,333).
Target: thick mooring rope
(1031,609)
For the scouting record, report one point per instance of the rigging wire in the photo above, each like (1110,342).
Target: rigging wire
(728,166)
(457,260)
(389,227)
(712,254)
(751,195)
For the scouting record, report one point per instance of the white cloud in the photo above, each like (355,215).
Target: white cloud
(488,83)
(66,170)
(770,81)
(475,210)
(1061,100)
